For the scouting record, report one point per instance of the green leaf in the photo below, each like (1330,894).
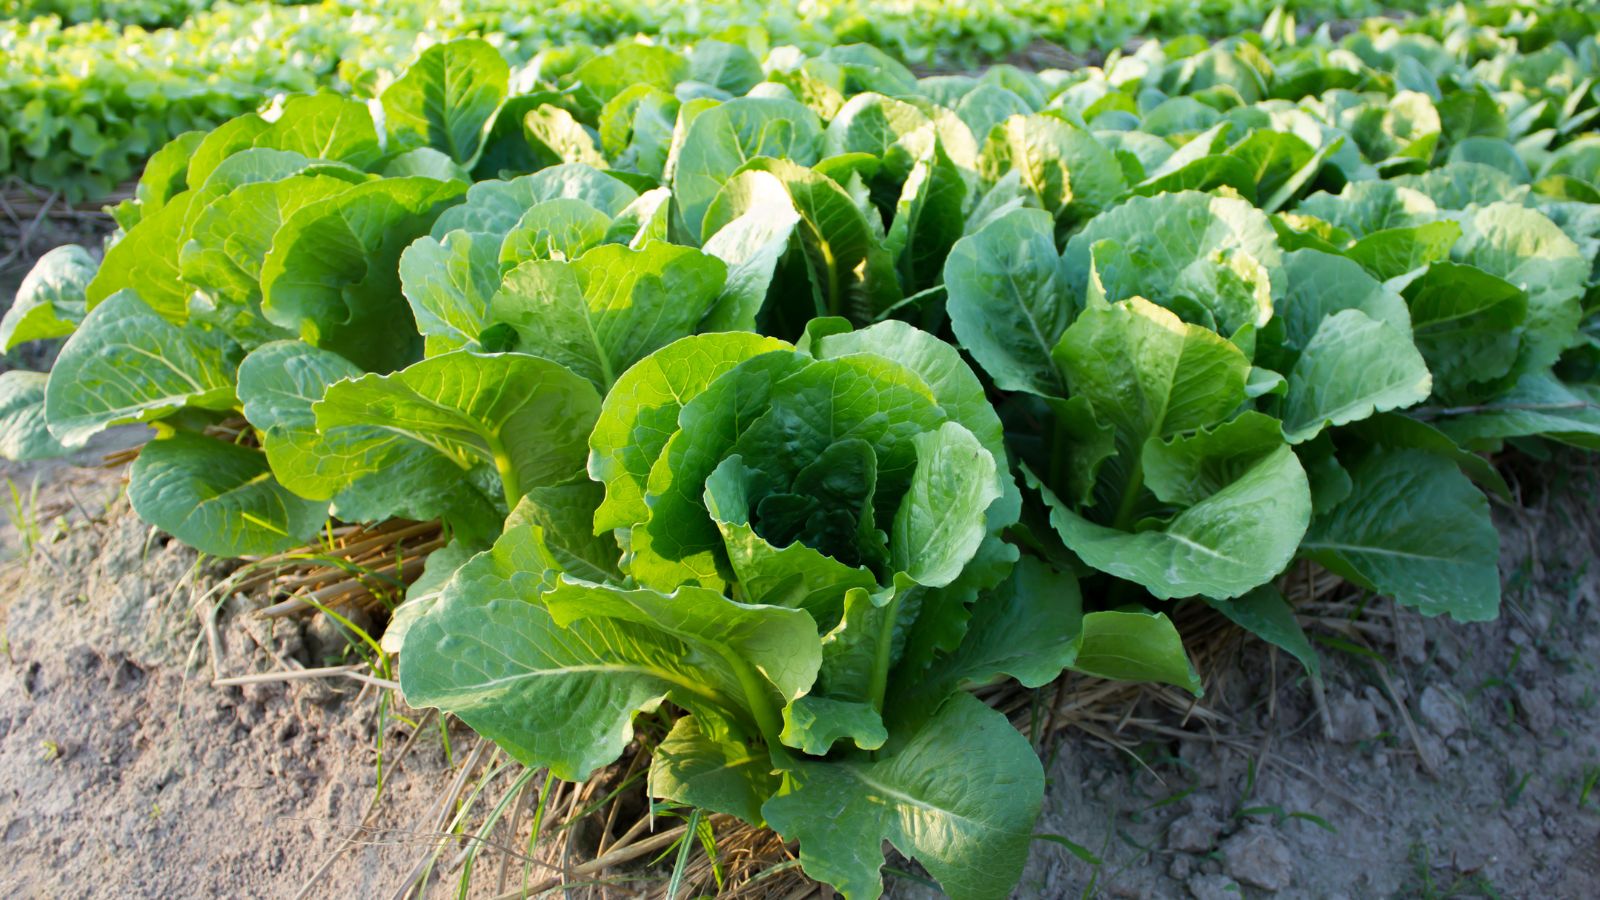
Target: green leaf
(941,519)
(1247,503)
(1212,260)
(1027,629)
(959,794)
(229,242)
(640,414)
(611,307)
(449,284)
(562,229)
(752,245)
(709,424)
(1129,645)
(1352,367)
(1415,529)
(1062,165)
(24,434)
(321,126)
(1266,614)
(563,515)
(564,696)
(712,772)
(1008,303)
(145,262)
(793,574)
(495,207)
(1148,374)
(1465,323)
(814,723)
(332,275)
(852,273)
(954,386)
(447,98)
(556,137)
(928,218)
(605,76)
(1528,250)
(721,139)
(1322,284)
(219,498)
(526,416)
(126,364)
(1537,405)
(50,302)
(1393,252)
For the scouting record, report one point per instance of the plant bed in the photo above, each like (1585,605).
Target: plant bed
(778,423)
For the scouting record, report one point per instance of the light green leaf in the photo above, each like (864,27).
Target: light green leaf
(367,476)
(1241,526)
(332,275)
(50,302)
(641,413)
(941,519)
(125,364)
(449,284)
(712,772)
(494,207)
(229,242)
(852,273)
(1393,252)
(1126,645)
(526,416)
(752,244)
(1198,255)
(24,434)
(447,98)
(1062,165)
(564,696)
(721,139)
(611,307)
(1352,367)
(1528,250)
(561,229)
(1148,374)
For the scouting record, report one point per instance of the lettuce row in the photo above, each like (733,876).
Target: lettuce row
(803,411)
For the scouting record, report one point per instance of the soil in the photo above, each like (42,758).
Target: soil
(123,772)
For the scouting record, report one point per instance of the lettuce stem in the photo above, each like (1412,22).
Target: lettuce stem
(885,650)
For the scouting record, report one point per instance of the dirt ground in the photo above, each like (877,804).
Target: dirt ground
(123,772)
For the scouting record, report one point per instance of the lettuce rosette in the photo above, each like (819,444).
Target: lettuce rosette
(799,546)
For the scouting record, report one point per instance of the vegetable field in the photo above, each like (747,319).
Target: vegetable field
(780,392)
